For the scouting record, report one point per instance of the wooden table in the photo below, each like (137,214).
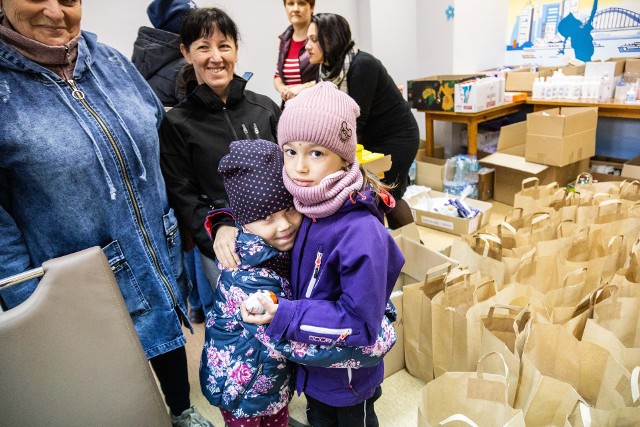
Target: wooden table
(610,108)
(470,119)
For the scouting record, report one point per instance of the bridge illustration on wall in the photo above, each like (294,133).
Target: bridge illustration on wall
(584,30)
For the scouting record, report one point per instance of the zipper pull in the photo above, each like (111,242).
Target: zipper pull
(76,93)
(342,337)
(67,55)
(255,130)
(314,275)
(246,131)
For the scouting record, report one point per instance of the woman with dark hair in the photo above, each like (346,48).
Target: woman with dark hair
(294,72)
(386,124)
(196,133)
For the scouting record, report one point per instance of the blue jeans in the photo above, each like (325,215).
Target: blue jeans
(201,296)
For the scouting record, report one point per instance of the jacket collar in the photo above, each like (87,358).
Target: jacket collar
(204,95)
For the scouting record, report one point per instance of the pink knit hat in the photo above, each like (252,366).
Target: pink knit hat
(323,115)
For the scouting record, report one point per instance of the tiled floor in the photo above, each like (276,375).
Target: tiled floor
(398,406)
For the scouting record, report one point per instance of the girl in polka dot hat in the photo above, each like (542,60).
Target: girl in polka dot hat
(244,372)
(345,263)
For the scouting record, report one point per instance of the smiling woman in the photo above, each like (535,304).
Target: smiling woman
(196,133)
(79,131)
(50,22)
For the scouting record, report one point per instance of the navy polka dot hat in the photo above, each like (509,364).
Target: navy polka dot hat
(252,174)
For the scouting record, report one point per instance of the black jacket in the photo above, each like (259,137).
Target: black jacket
(195,135)
(156,54)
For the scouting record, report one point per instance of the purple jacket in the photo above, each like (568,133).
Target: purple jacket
(344,268)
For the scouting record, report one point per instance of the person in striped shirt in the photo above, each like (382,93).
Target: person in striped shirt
(294,72)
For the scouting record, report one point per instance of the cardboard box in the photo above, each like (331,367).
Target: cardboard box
(613,66)
(632,66)
(511,168)
(631,169)
(429,171)
(394,360)
(616,164)
(449,224)
(477,95)
(521,80)
(418,261)
(561,136)
(515,96)
(573,70)
(379,166)
(435,92)
(485,183)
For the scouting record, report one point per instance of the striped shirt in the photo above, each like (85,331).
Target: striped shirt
(291,69)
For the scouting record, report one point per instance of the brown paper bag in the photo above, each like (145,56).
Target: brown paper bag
(585,309)
(452,350)
(627,356)
(478,396)
(467,257)
(584,415)
(552,356)
(418,344)
(532,196)
(506,333)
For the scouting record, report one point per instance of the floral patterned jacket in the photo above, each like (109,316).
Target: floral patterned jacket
(242,370)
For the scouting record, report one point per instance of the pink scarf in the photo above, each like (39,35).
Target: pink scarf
(324,199)
(59,59)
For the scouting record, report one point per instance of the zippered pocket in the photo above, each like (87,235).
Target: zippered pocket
(314,274)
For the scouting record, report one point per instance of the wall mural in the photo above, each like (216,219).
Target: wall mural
(552,32)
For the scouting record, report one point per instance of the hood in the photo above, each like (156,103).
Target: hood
(378,202)
(154,49)
(252,250)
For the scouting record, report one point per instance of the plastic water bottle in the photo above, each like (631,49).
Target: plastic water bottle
(412,173)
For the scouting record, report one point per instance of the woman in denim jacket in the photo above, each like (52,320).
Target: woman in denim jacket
(80,167)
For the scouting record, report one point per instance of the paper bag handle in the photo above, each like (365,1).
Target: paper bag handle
(520,212)
(575,273)
(626,183)
(457,417)
(480,371)
(635,389)
(560,227)
(506,226)
(527,181)
(610,202)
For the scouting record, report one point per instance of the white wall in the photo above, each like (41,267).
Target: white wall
(259,21)
(412,38)
(479,39)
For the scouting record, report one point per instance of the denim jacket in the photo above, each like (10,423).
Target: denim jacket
(80,167)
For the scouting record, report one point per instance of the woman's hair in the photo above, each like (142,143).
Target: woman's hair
(312,3)
(334,38)
(203,22)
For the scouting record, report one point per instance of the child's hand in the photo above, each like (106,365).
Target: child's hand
(260,319)
(225,247)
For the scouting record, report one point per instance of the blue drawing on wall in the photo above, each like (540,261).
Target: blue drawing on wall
(547,29)
(450,12)
(570,27)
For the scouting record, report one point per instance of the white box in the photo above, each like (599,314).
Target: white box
(450,224)
(479,95)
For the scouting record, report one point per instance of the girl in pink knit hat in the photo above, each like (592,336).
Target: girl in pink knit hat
(344,261)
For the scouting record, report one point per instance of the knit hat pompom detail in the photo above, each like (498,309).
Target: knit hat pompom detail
(252,174)
(323,115)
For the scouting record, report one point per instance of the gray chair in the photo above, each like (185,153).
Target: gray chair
(70,356)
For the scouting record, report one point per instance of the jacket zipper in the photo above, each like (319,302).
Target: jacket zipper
(314,275)
(229,124)
(253,380)
(79,95)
